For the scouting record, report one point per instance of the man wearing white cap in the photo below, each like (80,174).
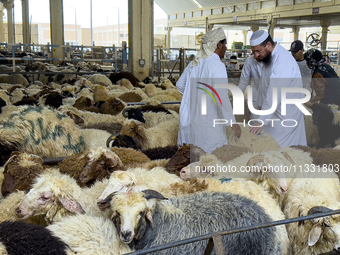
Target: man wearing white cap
(202,102)
(279,70)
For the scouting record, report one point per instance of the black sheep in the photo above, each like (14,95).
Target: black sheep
(161,152)
(21,238)
(323,118)
(114,77)
(132,113)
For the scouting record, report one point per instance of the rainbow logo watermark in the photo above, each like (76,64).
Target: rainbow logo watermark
(204,97)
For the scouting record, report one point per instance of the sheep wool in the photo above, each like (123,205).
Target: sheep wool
(42,131)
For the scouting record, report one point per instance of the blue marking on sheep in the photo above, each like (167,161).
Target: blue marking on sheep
(225,180)
(78,147)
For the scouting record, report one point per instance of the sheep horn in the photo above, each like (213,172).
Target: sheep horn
(149,194)
(255,159)
(109,140)
(108,198)
(126,110)
(285,154)
(317,209)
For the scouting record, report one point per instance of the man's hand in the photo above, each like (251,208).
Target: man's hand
(256,128)
(237,130)
(309,104)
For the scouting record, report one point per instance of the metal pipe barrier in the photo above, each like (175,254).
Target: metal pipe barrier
(143,103)
(215,239)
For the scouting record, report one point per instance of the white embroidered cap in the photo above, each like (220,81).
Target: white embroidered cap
(258,37)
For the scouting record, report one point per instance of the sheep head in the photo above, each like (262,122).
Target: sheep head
(183,157)
(134,129)
(326,228)
(131,211)
(20,171)
(100,164)
(271,168)
(118,180)
(51,196)
(132,113)
(112,106)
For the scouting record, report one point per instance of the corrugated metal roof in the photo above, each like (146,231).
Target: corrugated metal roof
(176,6)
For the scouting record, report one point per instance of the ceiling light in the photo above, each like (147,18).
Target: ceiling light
(197,3)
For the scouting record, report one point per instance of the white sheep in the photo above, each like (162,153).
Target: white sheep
(100,79)
(161,135)
(95,138)
(307,196)
(88,235)
(56,195)
(256,143)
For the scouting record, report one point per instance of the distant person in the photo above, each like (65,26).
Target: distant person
(232,64)
(199,77)
(325,81)
(296,48)
(279,70)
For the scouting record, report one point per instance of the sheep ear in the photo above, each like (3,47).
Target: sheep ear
(314,235)
(149,217)
(71,205)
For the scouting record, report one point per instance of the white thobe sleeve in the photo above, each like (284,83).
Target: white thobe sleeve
(225,111)
(245,76)
(182,81)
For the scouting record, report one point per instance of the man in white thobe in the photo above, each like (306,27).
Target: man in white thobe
(279,70)
(198,84)
(251,71)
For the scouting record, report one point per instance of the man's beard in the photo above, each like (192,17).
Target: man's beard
(266,60)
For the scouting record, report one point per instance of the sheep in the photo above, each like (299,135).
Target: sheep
(323,156)
(161,135)
(259,168)
(186,217)
(189,153)
(131,113)
(20,171)
(312,135)
(19,79)
(125,83)
(22,238)
(41,131)
(157,177)
(130,157)
(91,117)
(328,131)
(8,207)
(100,79)
(89,235)
(100,93)
(130,97)
(91,165)
(123,141)
(94,137)
(55,195)
(256,143)
(183,157)
(114,77)
(161,152)
(112,128)
(307,196)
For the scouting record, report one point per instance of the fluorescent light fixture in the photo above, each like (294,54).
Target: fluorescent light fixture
(197,3)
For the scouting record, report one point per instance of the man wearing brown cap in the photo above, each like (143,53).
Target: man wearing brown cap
(297,51)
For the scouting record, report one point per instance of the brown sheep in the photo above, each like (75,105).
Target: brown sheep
(82,103)
(91,165)
(130,97)
(130,157)
(323,156)
(183,157)
(20,171)
(112,106)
